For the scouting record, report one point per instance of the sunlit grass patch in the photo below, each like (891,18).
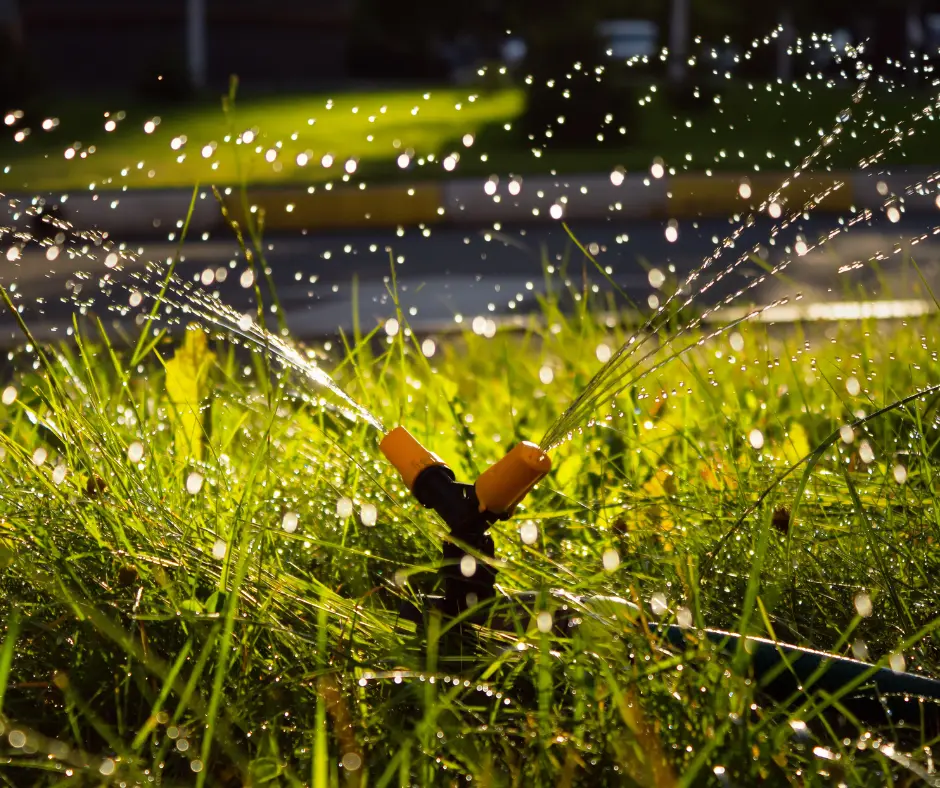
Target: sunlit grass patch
(231,613)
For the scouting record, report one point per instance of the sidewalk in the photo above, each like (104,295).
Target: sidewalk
(478,201)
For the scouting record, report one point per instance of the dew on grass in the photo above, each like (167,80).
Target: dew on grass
(194,482)
(847,433)
(610,559)
(107,767)
(897,662)
(865,452)
(352,761)
(684,617)
(737,342)
(9,395)
(853,386)
(900,474)
(344,508)
(602,352)
(546,374)
(529,532)
(756,439)
(544,622)
(219,549)
(863,605)
(656,278)
(39,456)
(17,739)
(428,348)
(58,475)
(289,522)
(368,514)
(658,604)
(247,279)
(391,327)
(860,650)
(135,452)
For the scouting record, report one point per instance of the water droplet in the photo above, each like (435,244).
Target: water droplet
(865,452)
(107,767)
(289,522)
(658,603)
(656,278)
(194,482)
(900,474)
(428,348)
(737,342)
(368,514)
(546,374)
(863,605)
(544,622)
(247,279)
(618,176)
(894,215)
(897,663)
(468,566)
(603,353)
(352,761)
(135,452)
(610,559)
(344,508)
(17,739)
(853,386)
(218,549)
(556,211)
(846,433)
(391,327)
(9,395)
(529,532)
(39,456)
(860,650)
(756,439)
(684,617)
(58,475)
(745,191)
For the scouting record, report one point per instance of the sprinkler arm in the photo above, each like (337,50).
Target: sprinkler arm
(468,509)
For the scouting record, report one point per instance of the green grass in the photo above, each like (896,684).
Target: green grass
(151,631)
(751,128)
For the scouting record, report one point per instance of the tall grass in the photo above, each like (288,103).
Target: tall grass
(163,619)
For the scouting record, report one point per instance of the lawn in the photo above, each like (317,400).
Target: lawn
(765,127)
(203,559)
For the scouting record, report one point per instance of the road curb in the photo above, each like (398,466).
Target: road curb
(595,196)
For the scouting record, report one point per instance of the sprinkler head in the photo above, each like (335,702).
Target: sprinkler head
(408,456)
(469,510)
(503,485)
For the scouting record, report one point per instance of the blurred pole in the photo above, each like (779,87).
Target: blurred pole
(678,40)
(196,42)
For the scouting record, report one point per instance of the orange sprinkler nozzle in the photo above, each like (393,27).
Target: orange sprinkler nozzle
(503,485)
(408,456)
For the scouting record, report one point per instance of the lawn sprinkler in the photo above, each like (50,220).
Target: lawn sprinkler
(469,510)
(877,696)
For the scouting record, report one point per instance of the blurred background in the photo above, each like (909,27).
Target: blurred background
(95,46)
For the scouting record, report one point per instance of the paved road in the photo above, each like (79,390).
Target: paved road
(490,273)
